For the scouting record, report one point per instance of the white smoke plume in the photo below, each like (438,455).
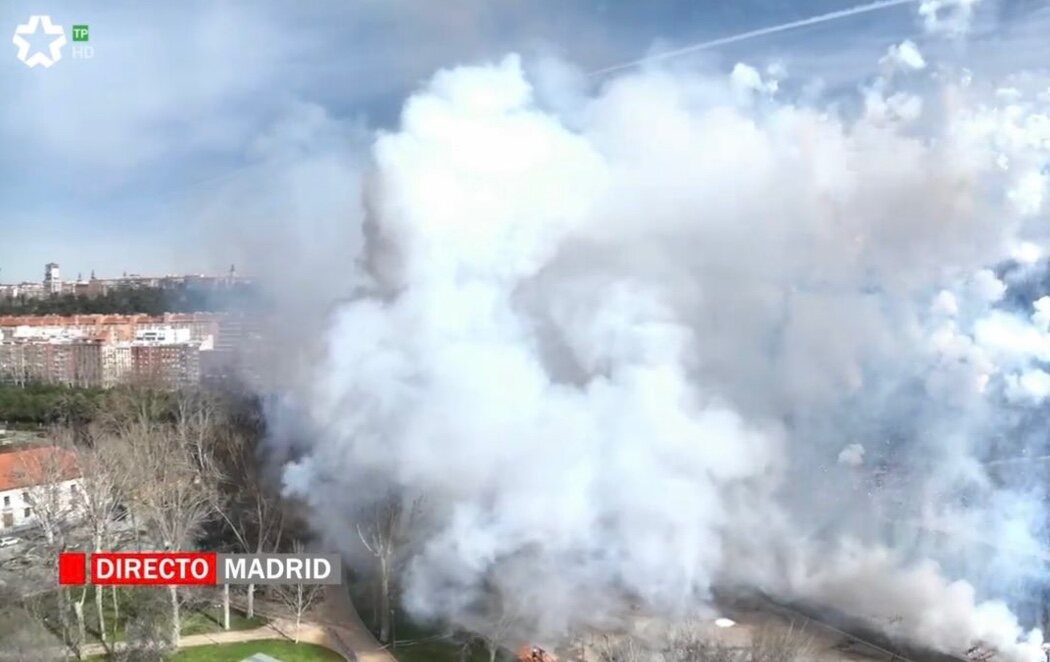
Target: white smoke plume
(950,17)
(905,56)
(618,346)
(852,455)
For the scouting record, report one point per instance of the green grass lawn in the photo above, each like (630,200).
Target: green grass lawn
(285,651)
(208,620)
(195,619)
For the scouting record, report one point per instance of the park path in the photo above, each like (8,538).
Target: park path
(334,623)
(344,621)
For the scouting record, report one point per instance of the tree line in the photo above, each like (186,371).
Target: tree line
(36,405)
(137,300)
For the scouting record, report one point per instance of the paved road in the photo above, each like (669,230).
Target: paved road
(336,624)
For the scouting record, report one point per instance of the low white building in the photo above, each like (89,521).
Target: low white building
(30,475)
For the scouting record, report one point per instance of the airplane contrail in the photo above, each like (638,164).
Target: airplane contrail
(813,20)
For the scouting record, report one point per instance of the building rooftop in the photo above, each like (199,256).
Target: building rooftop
(33,466)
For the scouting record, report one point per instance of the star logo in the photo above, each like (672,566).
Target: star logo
(39,57)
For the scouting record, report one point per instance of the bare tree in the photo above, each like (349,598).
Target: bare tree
(384,535)
(298,597)
(497,624)
(497,633)
(693,641)
(196,424)
(220,432)
(769,643)
(47,473)
(618,648)
(697,642)
(465,643)
(250,509)
(98,502)
(171,490)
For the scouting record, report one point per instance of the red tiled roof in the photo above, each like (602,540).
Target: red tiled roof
(33,466)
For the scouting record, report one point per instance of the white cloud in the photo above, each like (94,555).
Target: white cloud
(904,56)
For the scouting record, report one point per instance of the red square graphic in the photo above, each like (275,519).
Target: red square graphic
(72,568)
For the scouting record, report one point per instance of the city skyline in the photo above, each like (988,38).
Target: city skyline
(97,274)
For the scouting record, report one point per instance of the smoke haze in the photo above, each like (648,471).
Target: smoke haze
(636,340)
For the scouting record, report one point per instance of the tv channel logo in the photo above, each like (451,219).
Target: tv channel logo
(39,42)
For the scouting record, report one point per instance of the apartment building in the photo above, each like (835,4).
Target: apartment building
(66,363)
(165,365)
(100,364)
(171,350)
(116,364)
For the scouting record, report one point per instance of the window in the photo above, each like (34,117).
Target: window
(25,497)
(73,489)
(28,512)
(7,501)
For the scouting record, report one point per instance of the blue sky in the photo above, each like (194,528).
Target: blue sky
(142,158)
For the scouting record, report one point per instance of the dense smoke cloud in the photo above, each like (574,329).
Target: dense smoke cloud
(685,333)
(951,17)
